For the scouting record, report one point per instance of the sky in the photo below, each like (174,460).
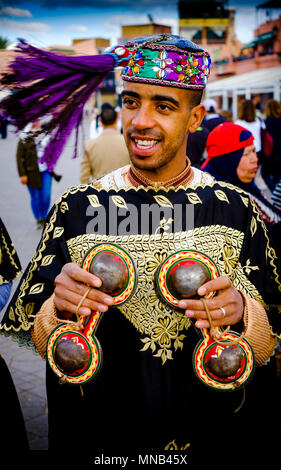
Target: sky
(56,22)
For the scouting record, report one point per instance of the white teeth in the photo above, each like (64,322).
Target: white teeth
(145,143)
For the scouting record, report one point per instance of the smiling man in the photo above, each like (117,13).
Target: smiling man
(156,125)
(146,397)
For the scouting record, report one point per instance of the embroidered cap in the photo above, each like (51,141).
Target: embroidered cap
(166,60)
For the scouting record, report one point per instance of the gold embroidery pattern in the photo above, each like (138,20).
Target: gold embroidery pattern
(163,201)
(270,252)
(245,201)
(64,207)
(194,198)
(37,288)
(230,260)
(9,253)
(11,314)
(119,202)
(47,260)
(253,227)
(174,446)
(248,268)
(94,200)
(58,232)
(221,195)
(163,329)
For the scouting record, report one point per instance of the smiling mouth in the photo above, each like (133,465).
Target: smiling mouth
(144,144)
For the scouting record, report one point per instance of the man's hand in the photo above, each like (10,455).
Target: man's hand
(227,298)
(24,179)
(71,284)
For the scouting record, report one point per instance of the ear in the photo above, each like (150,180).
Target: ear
(196,117)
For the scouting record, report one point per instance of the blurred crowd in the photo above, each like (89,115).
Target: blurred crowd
(245,152)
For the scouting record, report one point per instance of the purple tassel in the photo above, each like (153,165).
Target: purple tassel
(44,83)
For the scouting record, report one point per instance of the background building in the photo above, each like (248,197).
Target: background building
(211,26)
(135,30)
(265,49)
(239,71)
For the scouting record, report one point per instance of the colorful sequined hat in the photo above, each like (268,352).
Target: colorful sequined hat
(56,87)
(167,60)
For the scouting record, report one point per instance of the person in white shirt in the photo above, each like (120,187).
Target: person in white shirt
(247,118)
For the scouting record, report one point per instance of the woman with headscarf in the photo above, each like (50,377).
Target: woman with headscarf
(232,158)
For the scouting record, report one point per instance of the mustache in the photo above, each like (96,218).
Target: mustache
(132,132)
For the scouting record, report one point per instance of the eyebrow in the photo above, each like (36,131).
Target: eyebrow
(133,94)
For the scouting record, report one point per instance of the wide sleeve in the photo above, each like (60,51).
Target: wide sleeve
(257,330)
(37,282)
(261,269)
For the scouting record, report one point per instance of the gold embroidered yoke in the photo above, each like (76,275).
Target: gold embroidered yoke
(215,218)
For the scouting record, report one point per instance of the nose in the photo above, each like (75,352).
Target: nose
(143,118)
(254,157)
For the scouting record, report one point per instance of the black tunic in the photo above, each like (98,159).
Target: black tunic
(146,396)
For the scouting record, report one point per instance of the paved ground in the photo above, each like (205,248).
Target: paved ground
(27,368)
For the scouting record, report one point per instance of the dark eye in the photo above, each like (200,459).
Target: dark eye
(128,102)
(164,107)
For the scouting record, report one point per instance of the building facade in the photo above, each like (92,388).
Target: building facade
(249,71)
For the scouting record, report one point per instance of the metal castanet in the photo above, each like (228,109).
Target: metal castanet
(74,353)
(184,278)
(222,359)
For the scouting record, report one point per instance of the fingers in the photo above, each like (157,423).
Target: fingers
(68,306)
(222,298)
(64,283)
(73,271)
(213,303)
(218,319)
(222,282)
(71,284)
(67,300)
(227,298)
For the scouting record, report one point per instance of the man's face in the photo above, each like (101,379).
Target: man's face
(248,165)
(155,123)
